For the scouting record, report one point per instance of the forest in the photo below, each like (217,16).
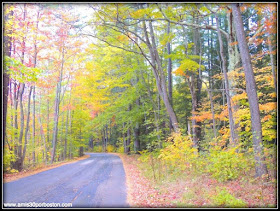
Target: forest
(186,87)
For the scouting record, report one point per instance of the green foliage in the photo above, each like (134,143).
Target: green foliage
(190,65)
(119,145)
(225,199)
(9,157)
(226,164)
(97,149)
(19,71)
(151,164)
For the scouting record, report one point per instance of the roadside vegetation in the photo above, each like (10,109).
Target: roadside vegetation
(222,178)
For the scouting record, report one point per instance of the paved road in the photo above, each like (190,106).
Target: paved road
(98,181)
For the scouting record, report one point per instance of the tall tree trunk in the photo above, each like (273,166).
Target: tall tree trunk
(66,133)
(260,166)
(137,132)
(124,140)
(233,134)
(35,63)
(27,127)
(19,156)
(128,141)
(6,77)
(153,104)
(106,140)
(70,125)
(159,75)
(33,140)
(103,140)
(272,63)
(48,120)
(197,51)
(42,133)
(234,62)
(57,102)
(169,71)
(21,87)
(128,137)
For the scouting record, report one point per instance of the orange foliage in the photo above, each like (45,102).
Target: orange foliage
(267,117)
(180,72)
(203,116)
(268,106)
(223,114)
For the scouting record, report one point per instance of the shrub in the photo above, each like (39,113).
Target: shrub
(110,148)
(225,199)
(120,149)
(97,149)
(226,164)
(9,157)
(179,152)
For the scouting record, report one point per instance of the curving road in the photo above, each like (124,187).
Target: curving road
(98,181)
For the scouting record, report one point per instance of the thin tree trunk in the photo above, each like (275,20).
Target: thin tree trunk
(137,132)
(233,134)
(48,120)
(6,77)
(66,136)
(159,75)
(106,140)
(272,63)
(70,125)
(42,134)
(260,166)
(35,63)
(33,140)
(153,104)
(57,102)
(128,139)
(169,71)
(19,157)
(198,51)
(27,126)
(124,141)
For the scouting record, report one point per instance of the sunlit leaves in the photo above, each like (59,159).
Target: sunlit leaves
(188,65)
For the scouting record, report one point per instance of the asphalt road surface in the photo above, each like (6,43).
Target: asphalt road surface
(98,181)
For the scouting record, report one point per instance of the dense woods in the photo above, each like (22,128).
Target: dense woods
(192,86)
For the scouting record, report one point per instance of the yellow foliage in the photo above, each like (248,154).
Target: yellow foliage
(239,97)
(180,152)
(122,38)
(110,148)
(225,132)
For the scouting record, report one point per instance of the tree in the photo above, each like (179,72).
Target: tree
(7,52)
(251,90)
